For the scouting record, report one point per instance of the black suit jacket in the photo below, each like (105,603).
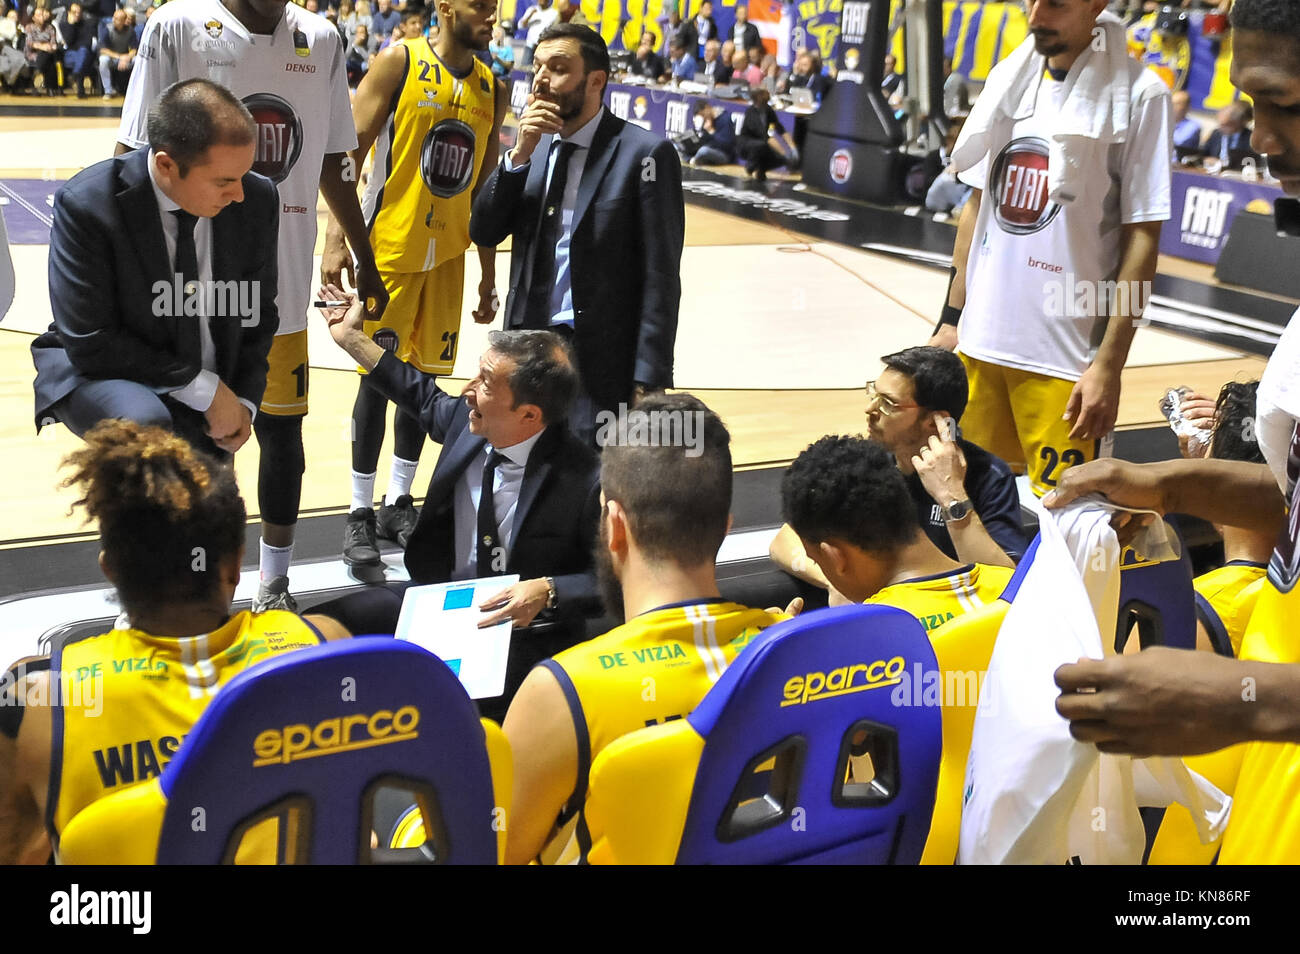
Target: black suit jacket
(1238,148)
(107,254)
(751,37)
(559,502)
(625,256)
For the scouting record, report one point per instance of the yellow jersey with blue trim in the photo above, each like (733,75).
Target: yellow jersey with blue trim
(934,600)
(1265,823)
(1226,598)
(427,159)
(654,668)
(127,700)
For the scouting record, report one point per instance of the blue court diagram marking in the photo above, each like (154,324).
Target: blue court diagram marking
(461,598)
(28,209)
(453,665)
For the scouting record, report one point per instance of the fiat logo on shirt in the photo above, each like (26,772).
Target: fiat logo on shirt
(447,158)
(1020,188)
(279,135)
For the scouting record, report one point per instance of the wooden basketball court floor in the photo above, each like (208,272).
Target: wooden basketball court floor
(778,332)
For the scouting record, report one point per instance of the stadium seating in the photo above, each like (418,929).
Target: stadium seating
(799,754)
(290,758)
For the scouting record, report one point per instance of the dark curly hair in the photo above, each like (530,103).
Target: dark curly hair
(849,488)
(1234,424)
(168,514)
(1267,16)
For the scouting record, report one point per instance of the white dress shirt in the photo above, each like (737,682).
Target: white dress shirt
(201,391)
(509,479)
(562,295)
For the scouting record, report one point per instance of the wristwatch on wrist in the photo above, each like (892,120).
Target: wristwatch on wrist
(957,511)
(550,595)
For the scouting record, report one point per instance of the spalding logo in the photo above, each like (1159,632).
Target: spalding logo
(1019,181)
(279,135)
(447,158)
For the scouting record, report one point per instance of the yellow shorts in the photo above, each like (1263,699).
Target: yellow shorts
(422,321)
(286,376)
(1017,415)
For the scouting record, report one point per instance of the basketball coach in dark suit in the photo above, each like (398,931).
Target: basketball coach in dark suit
(163,278)
(594,208)
(513,491)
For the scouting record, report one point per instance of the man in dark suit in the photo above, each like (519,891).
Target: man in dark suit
(163,279)
(596,238)
(1230,143)
(507,434)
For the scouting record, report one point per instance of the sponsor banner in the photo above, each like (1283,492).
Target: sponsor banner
(1204,208)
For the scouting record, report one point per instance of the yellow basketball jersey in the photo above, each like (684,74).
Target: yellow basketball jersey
(936,599)
(427,159)
(129,698)
(1232,591)
(1265,824)
(654,668)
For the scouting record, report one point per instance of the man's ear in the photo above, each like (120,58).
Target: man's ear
(531,414)
(836,556)
(616,527)
(229,568)
(105,568)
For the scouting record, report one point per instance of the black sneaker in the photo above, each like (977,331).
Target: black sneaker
(360,548)
(397,521)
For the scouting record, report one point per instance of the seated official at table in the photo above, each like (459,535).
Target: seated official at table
(1230,143)
(646,63)
(513,491)
(1187,131)
(681,65)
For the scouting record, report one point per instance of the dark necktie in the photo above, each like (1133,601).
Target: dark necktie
(187,266)
(488,531)
(538,314)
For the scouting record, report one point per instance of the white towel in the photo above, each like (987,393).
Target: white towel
(1098,98)
(1033,794)
(1278,401)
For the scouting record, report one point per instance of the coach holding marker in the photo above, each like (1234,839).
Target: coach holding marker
(138,245)
(595,208)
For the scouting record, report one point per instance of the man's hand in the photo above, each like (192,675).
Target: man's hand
(1199,410)
(1093,404)
(370,290)
(521,603)
(540,118)
(347,327)
(336,258)
(488,303)
(945,337)
(1121,482)
(794,609)
(1157,702)
(229,423)
(941,465)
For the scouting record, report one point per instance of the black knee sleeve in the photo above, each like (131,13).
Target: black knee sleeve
(367,428)
(408,436)
(279,474)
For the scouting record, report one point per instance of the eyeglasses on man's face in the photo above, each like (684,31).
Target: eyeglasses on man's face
(887,405)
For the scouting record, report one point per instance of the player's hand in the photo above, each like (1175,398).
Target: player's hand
(941,465)
(488,303)
(945,337)
(521,603)
(794,608)
(371,291)
(1121,482)
(1199,410)
(540,118)
(229,423)
(1160,701)
(336,259)
(1093,404)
